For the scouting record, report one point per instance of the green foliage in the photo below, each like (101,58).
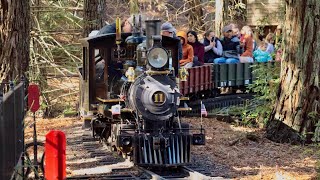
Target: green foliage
(50,44)
(265,86)
(316,136)
(69,111)
(56,30)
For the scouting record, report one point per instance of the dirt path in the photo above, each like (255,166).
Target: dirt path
(229,152)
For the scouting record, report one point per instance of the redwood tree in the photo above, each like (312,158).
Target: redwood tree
(296,112)
(14,38)
(94,15)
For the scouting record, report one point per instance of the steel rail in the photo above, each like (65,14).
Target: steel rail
(188,173)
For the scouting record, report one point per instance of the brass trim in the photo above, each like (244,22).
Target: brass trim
(184,109)
(157,72)
(184,98)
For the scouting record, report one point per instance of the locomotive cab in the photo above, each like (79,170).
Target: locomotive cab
(129,96)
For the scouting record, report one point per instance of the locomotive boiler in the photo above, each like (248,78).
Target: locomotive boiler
(129,96)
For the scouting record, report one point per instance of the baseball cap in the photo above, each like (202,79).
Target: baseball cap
(167,27)
(226,28)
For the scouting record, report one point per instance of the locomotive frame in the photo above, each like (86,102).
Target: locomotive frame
(135,132)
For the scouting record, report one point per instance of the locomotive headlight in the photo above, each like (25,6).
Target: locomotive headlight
(158,57)
(126,141)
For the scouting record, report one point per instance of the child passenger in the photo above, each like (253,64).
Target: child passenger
(261,55)
(270,40)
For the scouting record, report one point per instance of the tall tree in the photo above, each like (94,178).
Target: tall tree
(195,15)
(14,38)
(297,108)
(94,15)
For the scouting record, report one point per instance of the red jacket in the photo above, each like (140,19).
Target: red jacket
(248,46)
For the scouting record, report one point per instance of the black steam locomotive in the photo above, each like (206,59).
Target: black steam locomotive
(129,96)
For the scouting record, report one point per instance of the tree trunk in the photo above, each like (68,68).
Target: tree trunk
(14,38)
(220,16)
(94,15)
(195,15)
(297,110)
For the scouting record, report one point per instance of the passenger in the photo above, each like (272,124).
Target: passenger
(168,30)
(230,47)
(187,49)
(246,42)
(261,54)
(126,25)
(278,42)
(213,48)
(270,40)
(198,48)
(235,31)
(278,37)
(114,67)
(255,41)
(236,35)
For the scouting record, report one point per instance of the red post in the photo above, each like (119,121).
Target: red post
(55,157)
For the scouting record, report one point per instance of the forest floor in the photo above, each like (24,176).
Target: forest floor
(229,151)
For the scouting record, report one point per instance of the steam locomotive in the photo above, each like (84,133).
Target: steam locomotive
(130,97)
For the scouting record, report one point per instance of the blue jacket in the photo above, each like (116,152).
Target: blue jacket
(261,56)
(111,28)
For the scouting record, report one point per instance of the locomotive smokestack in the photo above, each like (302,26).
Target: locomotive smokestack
(152,29)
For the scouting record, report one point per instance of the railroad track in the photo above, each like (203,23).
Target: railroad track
(169,174)
(217,103)
(97,162)
(178,173)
